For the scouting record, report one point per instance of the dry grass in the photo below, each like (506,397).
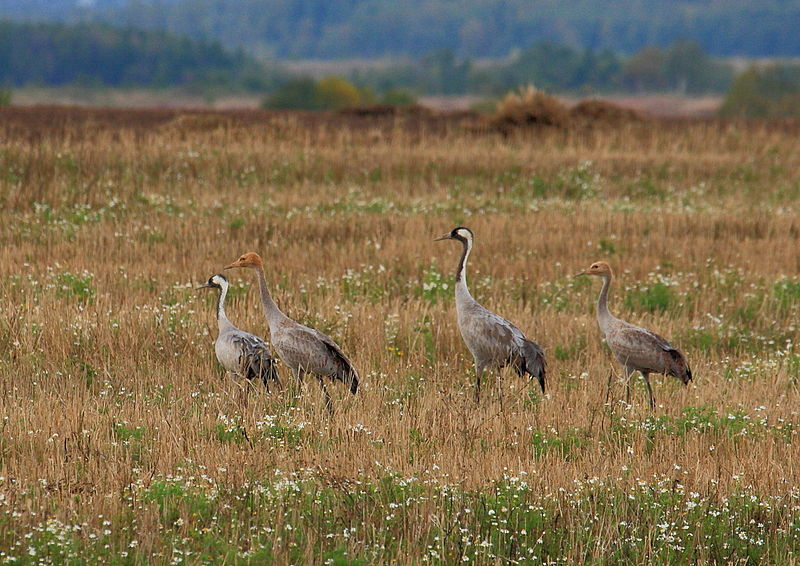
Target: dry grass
(530,107)
(111,391)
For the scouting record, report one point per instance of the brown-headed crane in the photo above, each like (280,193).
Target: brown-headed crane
(635,348)
(303,349)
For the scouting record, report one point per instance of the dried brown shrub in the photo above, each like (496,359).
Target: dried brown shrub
(530,107)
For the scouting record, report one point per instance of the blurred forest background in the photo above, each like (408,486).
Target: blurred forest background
(328,54)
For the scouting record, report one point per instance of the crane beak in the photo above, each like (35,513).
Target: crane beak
(443,237)
(233,265)
(584,272)
(203,286)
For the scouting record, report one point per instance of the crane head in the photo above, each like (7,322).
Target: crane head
(250,259)
(214,282)
(599,268)
(460,233)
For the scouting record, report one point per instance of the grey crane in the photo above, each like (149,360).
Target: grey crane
(303,349)
(242,354)
(493,341)
(635,348)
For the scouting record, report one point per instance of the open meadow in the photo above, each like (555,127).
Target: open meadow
(122,442)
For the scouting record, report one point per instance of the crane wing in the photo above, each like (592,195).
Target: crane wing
(255,358)
(494,339)
(304,348)
(640,349)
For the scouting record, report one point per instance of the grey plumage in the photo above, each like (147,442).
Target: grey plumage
(302,349)
(636,348)
(493,341)
(242,354)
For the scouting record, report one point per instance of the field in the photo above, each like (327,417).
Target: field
(122,441)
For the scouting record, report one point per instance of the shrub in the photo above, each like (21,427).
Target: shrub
(296,94)
(768,92)
(5,97)
(530,107)
(330,93)
(336,93)
(398,97)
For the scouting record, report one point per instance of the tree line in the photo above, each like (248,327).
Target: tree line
(97,54)
(329,29)
(683,67)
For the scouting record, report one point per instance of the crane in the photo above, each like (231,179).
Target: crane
(493,341)
(242,354)
(635,348)
(304,350)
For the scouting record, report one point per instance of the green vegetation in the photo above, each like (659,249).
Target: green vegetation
(99,55)
(330,93)
(328,29)
(278,520)
(682,67)
(658,297)
(767,92)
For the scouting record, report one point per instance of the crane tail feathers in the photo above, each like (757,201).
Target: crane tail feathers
(353,383)
(263,368)
(534,362)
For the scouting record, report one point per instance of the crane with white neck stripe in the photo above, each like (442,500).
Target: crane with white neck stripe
(493,341)
(242,354)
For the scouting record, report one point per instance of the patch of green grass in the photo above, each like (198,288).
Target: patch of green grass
(288,435)
(572,351)
(699,339)
(786,293)
(657,297)
(364,284)
(71,285)
(236,223)
(124,433)
(230,433)
(703,420)
(131,438)
(566,444)
(301,519)
(434,285)
(607,246)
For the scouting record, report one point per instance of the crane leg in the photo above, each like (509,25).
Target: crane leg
(478,375)
(649,390)
(297,388)
(328,401)
(499,385)
(628,374)
(241,384)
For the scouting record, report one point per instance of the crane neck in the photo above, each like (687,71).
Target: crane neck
(222,319)
(603,316)
(271,311)
(461,271)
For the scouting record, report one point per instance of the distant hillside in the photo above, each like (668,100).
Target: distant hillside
(57,54)
(367,28)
